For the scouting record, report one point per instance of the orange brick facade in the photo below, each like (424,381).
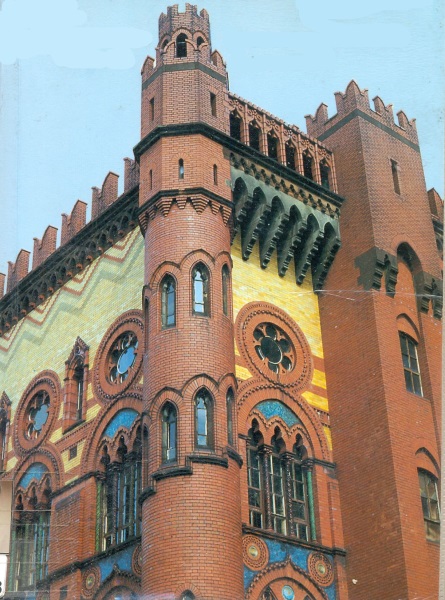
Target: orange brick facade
(230,378)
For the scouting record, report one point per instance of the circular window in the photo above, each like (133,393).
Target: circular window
(36,411)
(122,357)
(119,356)
(273,345)
(37,415)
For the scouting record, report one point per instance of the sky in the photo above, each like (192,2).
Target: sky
(70,84)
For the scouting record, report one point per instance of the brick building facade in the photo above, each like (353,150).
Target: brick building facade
(230,377)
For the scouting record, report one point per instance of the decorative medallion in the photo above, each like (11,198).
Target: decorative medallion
(36,411)
(90,582)
(255,553)
(273,345)
(136,560)
(119,356)
(287,592)
(320,568)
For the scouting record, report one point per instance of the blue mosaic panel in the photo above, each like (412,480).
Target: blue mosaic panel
(124,418)
(35,471)
(280,551)
(273,408)
(121,559)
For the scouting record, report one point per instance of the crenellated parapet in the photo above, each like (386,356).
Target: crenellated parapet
(355,101)
(190,19)
(104,196)
(44,247)
(18,270)
(285,143)
(81,243)
(73,223)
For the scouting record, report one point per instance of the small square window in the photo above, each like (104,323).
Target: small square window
(73,452)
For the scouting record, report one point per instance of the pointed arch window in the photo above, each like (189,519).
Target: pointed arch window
(5,412)
(429,497)
(285,504)
(119,493)
(307,165)
(254,136)
(169,433)
(30,536)
(325,174)
(272,146)
(203,419)
(410,364)
(200,287)
(168,302)
(76,382)
(235,126)
(181,46)
(225,289)
(290,155)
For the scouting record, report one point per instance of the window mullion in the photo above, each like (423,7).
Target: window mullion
(307,471)
(287,459)
(265,454)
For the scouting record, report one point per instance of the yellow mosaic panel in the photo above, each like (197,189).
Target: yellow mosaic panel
(251,283)
(85,307)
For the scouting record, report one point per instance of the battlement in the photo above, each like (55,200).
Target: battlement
(190,20)
(436,204)
(72,224)
(289,137)
(356,100)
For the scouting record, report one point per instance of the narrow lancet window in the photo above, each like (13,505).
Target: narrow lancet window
(168,302)
(200,282)
(169,433)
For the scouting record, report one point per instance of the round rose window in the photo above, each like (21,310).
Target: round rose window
(37,415)
(122,357)
(274,347)
(119,356)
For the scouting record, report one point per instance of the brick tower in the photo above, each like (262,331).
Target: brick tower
(381,334)
(191,542)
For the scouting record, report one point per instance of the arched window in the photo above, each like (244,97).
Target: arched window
(180,169)
(200,283)
(119,493)
(215,174)
(290,155)
(5,410)
(235,126)
(286,504)
(30,533)
(199,41)
(225,289)
(307,165)
(181,46)
(187,595)
(79,382)
(76,381)
(272,146)
(168,302)
(325,172)
(203,420)
(254,136)
(430,505)
(395,170)
(230,406)
(169,433)
(410,364)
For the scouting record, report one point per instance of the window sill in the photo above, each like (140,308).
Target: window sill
(271,535)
